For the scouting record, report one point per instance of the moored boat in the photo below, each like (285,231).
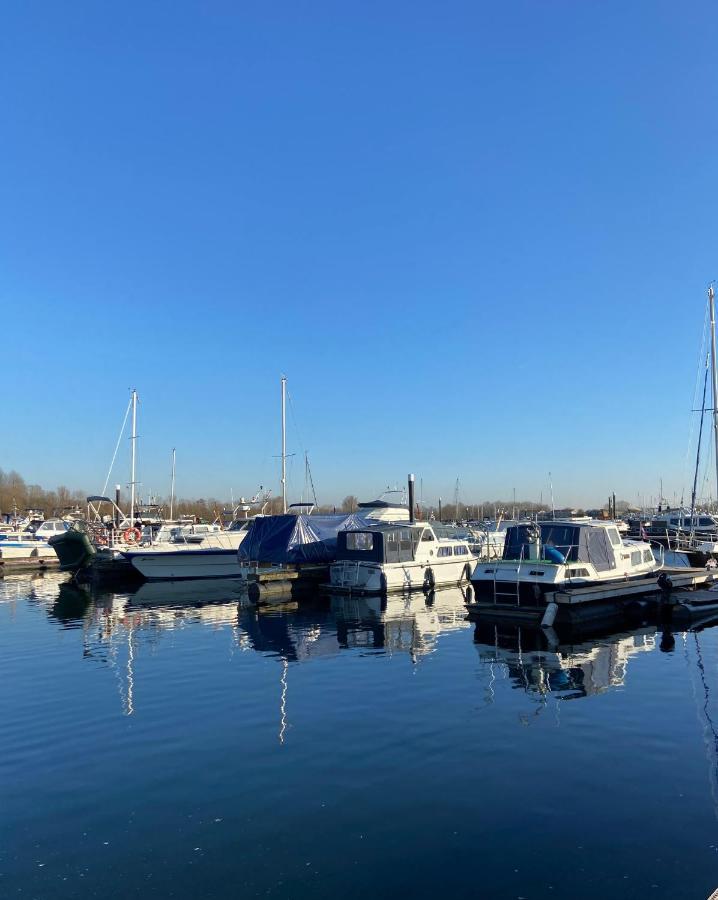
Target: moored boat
(546,557)
(406,556)
(213,556)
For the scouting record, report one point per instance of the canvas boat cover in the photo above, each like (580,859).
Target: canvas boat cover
(575,543)
(286,539)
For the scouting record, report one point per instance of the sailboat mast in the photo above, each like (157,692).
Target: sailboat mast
(284,444)
(172,492)
(133,456)
(714,373)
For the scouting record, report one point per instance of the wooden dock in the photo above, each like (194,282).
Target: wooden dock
(597,601)
(286,583)
(681,579)
(23,564)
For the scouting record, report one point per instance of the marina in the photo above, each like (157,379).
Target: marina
(359,452)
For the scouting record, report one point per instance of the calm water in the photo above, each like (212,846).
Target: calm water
(178,743)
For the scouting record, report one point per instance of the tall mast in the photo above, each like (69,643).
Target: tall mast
(284,444)
(133,456)
(172,492)
(714,372)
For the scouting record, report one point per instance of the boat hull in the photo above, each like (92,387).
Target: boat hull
(183,564)
(361,578)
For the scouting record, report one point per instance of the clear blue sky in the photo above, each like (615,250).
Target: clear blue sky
(476,237)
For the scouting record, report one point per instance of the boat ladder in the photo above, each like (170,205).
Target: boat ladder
(509,592)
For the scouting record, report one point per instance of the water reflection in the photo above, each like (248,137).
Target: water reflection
(548,664)
(116,627)
(350,715)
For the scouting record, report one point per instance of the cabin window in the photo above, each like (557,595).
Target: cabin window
(427,535)
(460,551)
(614,536)
(360,540)
(577,573)
(444,551)
(648,556)
(706,522)
(636,558)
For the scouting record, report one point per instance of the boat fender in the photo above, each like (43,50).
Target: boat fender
(382,582)
(467,572)
(429,580)
(549,617)
(131,535)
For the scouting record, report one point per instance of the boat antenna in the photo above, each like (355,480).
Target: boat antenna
(553,508)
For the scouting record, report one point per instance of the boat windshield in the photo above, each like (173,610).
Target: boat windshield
(562,537)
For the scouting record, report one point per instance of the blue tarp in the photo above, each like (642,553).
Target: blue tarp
(295,539)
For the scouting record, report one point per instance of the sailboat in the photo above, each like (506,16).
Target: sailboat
(695,532)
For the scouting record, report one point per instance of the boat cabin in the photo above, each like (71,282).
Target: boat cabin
(395,543)
(677,520)
(597,543)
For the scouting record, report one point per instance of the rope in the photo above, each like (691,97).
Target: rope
(117,446)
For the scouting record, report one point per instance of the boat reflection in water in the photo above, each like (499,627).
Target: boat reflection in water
(117,626)
(410,623)
(565,666)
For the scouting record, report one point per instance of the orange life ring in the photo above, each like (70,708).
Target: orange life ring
(132,535)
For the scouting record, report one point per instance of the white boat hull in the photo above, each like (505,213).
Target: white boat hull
(365,578)
(178,564)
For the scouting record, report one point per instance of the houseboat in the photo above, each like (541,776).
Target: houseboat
(404,556)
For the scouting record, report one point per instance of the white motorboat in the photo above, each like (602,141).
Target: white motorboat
(403,556)
(214,557)
(560,555)
(31,541)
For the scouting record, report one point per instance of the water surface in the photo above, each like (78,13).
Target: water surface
(179,742)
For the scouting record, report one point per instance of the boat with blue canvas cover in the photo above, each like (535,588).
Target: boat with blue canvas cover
(276,542)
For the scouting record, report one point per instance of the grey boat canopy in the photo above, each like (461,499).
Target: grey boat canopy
(588,542)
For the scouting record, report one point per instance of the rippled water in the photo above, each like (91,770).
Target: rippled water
(180,743)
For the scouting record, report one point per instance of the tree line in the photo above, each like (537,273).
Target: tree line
(16,496)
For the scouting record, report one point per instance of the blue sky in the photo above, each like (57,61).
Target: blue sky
(475,236)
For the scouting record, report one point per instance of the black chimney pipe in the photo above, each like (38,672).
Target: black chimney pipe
(411,499)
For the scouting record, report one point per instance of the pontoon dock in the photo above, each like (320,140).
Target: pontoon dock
(594,600)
